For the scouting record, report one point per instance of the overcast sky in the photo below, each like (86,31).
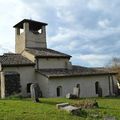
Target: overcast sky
(89,30)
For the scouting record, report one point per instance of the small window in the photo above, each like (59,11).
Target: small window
(28,87)
(59,91)
(96,87)
(40,31)
(21,31)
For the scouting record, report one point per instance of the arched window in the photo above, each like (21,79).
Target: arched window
(28,87)
(59,91)
(96,87)
(78,85)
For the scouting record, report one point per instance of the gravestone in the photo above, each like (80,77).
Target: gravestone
(71,96)
(72,109)
(35,92)
(69,108)
(58,106)
(76,91)
(100,92)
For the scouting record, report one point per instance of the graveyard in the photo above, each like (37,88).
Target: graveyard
(15,108)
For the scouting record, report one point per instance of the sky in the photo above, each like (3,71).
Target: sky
(89,30)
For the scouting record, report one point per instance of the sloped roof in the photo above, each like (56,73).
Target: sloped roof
(10,59)
(75,71)
(45,52)
(33,25)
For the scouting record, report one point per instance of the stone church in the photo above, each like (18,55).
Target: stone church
(33,62)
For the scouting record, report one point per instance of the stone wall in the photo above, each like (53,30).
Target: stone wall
(87,85)
(29,38)
(53,63)
(27,75)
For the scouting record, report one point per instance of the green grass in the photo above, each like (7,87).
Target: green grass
(25,109)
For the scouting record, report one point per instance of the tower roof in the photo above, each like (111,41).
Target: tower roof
(34,25)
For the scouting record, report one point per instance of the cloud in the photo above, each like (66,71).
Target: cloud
(97,4)
(11,13)
(95,58)
(89,30)
(104,23)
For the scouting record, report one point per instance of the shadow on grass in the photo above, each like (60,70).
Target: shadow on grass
(82,113)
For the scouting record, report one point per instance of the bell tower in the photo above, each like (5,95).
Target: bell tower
(30,34)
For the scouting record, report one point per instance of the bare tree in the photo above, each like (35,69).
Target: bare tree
(114,65)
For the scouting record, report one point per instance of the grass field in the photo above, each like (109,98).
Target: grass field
(25,109)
